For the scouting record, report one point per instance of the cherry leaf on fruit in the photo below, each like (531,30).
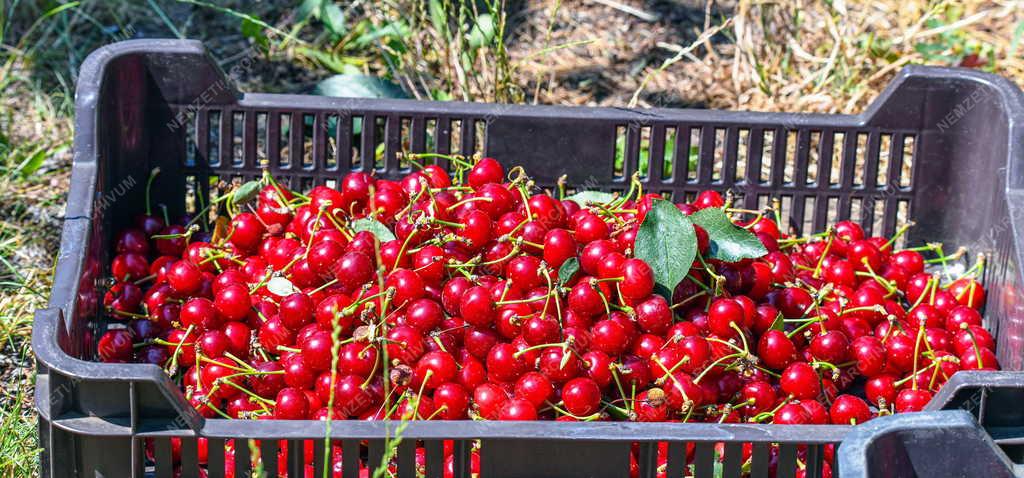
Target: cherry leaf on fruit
(729,242)
(779,323)
(569,269)
(667,242)
(592,197)
(374,227)
(245,192)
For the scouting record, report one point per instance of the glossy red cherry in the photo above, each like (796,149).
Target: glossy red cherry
(489,398)
(910,261)
(353,269)
(831,346)
(849,231)
(609,337)
(654,315)
(477,307)
(558,364)
(199,313)
(476,230)
(534,387)
(589,297)
(233,302)
(408,286)
(559,246)
(724,316)
(870,354)
(816,411)
(451,400)
(517,410)
(405,344)
(968,292)
(776,350)
(291,404)
(849,410)
(357,358)
(637,279)
(592,254)
(541,329)
(791,414)
(296,310)
(433,369)
(581,396)
(800,380)
(910,400)
(980,359)
(129,267)
(708,199)
(590,227)
(504,364)
(487,170)
(524,272)
(115,346)
(650,406)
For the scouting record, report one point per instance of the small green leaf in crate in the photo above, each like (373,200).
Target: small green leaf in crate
(569,269)
(245,192)
(729,242)
(374,227)
(667,242)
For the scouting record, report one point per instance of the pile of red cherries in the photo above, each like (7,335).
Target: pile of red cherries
(438,297)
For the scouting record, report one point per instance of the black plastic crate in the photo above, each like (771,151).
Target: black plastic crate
(942,146)
(934,444)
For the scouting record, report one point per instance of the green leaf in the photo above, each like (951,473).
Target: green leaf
(1018,33)
(779,323)
(569,269)
(35,160)
(591,197)
(358,86)
(333,18)
(729,242)
(32,162)
(482,32)
(667,242)
(375,227)
(395,29)
(246,192)
(439,95)
(308,8)
(334,62)
(255,32)
(438,17)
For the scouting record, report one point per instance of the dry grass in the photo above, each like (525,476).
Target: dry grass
(775,55)
(791,55)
